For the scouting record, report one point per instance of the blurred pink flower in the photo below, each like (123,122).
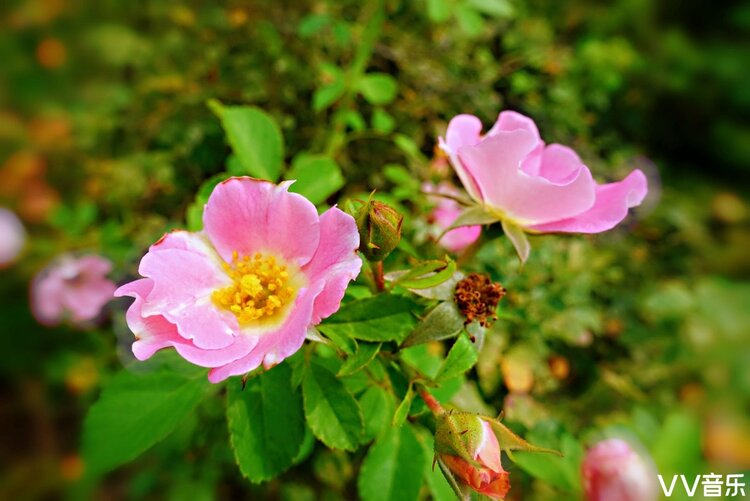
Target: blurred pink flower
(72,288)
(12,237)
(245,289)
(539,188)
(613,471)
(445,213)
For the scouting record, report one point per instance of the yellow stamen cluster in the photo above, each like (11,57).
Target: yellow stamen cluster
(259,290)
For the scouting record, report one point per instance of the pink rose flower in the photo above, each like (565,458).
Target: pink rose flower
(245,289)
(536,187)
(12,237)
(72,288)
(445,213)
(487,476)
(613,471)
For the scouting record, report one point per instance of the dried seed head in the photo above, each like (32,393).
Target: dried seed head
(477,298)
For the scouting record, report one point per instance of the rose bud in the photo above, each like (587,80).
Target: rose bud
(467,446)
(613,471)
(379,228)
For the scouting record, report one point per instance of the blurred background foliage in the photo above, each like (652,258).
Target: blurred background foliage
(107,140)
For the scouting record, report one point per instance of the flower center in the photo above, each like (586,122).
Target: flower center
(259,289)
(477,298)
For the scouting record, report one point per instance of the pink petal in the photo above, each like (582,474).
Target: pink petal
(183,283)
(463,130)
(489,450)
(46,297)
(248,215)
(155,332)
(457,239)
(94,266)
(275,346)
(495,163)
(335,261)
(86,300)
(611,206)
(509,121)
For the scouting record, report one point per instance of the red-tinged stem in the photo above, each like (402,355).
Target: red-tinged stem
(377,273)
(431,402)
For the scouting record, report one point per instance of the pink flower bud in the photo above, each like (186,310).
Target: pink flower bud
(613,471)
(468,447)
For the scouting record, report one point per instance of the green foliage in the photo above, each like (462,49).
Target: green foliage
(317,177)
(255,139)
(266,423)
(137,410)
(393,467)
(380,318)
(332,413)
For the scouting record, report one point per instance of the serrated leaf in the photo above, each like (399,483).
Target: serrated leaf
(266,423)
(255,139)
(377,407)
(461,358)
(519,240)
(333,414)
(317,177)
(443,322)
(402,411)
(137,410)
(384,317)
(393,467)
(378,88)
(364,354)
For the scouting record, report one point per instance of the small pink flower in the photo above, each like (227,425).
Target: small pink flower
(245,289)
(74,288)
(539,188)
(12,237)
(487,476)
(613,471)
(445,213)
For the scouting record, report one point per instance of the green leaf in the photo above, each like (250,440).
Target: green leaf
(137,410)
(266,423)
(378,88)
(382,121)
(364,354)
(325,96)
(333,414)
(461,358)
(495,8)
(318,177)
(443,322)
(377,407)
(432,279)
(255,139)
(469,20)
(444,291)
(385,317)
(402,411)
(561,472)
(393,467)
(438,11)
(519,240)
